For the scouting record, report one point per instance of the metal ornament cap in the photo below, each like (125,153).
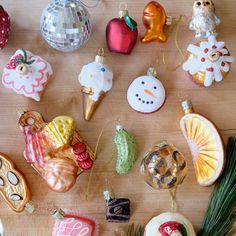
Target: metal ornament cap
(65,25)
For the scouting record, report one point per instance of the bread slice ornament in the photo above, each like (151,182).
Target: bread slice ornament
(169,224)
(13,186)
(205,144)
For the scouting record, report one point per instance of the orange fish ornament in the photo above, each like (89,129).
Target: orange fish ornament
(154,20)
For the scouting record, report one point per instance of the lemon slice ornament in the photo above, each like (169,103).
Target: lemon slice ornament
(205,144)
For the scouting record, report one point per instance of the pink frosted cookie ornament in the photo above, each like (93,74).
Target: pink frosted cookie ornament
(71,223)
(26,74)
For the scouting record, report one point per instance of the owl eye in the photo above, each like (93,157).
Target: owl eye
(198,3)
(208,3)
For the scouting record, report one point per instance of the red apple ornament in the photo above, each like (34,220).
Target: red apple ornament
(122,33)
(4,27)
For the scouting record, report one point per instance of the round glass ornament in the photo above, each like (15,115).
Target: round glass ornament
(65,25)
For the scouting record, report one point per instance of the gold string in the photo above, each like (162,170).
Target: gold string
(173,199)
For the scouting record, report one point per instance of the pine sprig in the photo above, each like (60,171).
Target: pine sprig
(135,232)
(221,214)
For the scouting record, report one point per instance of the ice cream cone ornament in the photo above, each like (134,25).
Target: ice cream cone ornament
(205,144)
(155,20)
(96,79)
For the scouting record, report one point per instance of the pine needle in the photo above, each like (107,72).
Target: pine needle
(221,214)
(132,231)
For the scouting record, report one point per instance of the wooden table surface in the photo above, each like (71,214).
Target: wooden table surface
(63,96)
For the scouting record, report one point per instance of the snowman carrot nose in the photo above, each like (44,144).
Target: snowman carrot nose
(149,93)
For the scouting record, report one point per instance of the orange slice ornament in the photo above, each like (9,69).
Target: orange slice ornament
(205,144)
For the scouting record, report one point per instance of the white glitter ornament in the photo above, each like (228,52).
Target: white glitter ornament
(65,25)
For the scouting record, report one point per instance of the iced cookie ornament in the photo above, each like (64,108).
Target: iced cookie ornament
(169,224)
(96,79)
(26,74)
(146,94)
(205,144)
(72,223)
(13,186)
(208,61)
(204,19)
(55,149)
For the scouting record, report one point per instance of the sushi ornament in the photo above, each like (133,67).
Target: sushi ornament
(96,80)
(13,187)
(117,209)
(146,94)
(122,33)
(155,20)
(26,74)
(5,25)
(204,20)
(71,222)
(164,167)
(208,62)
(55,149)
(205,144)
(127,153)
(169,224)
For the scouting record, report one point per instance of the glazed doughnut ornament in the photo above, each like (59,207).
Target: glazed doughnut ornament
(146,94)
(169,224)
(155,20)
(163,167)
(208,62)
(26,74)
(205,144)
(55,149)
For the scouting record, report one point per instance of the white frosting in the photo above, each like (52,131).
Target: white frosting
(152,228)
(96,76)
(146,94)
(202,60)
(1,229)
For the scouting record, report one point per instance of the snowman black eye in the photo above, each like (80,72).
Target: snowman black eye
(151,102)
(139,99)
(143,101)
(147,102)
(208,3)
(143,82)
(155,87)
(198,3)
(136,95)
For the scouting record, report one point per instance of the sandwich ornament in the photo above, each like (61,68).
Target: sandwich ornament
(122,33)
(5,25)
(13,186)
(55,149)
(96,80)
(146,94)
(72,223)
(155,20)
(169,224)
(208,60)
(26,74)
(205,144)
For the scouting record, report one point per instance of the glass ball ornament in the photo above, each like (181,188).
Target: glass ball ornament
(65,25)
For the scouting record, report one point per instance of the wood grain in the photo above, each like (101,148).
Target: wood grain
(63,96)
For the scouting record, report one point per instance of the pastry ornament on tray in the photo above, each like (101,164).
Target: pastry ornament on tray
(5,25)
(122,33)
(146,94)
(13,186)
(96,79)
(205,144)
(72,223)
(26,74)
(155,20)
(117,209)
(55,149)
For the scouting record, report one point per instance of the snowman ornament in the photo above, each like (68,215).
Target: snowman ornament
(146,94)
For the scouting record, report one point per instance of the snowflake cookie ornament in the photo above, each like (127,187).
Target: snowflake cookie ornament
(26,74)
(208,61)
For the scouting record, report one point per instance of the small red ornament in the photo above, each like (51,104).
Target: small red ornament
(122,33)
(5,25)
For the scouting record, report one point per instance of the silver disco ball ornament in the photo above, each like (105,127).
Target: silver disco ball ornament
(65,25)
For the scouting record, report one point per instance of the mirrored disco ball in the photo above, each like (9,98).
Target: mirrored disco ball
(65,25)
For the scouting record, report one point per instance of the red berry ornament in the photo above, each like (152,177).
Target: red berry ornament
(122,33)
(4,27)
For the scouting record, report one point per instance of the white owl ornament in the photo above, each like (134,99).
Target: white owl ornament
(204,19)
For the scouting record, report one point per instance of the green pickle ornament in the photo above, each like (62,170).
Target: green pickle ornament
(126,150)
